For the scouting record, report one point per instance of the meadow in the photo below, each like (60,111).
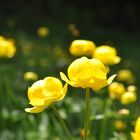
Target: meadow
(47,54)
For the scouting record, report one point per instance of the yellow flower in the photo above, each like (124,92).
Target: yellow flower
(43,31)
(136,134)
(82,47)
(128,97)
(71,26)
(84,73)
(44,92)
(73,29)
(75,32)
(125,75)
(116,90)
(120,125)
(132,88)
(30,76)
(7,48)
(124,112)
(82,132)
(107,54)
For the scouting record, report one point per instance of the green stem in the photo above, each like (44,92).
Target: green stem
(62,122)
(87,114)
(105,119)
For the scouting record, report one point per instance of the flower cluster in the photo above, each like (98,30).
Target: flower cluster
(105,53)
(83,72)
(87,73)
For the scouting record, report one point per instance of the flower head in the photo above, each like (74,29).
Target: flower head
(82,47)
(84,73)
(125,75)
(124,112)
(107,54)
(7,48)
(116,90)
(132,88)
(73,29)
(30,76)
(136,134)
(120,125)
(128,97)
(44,92)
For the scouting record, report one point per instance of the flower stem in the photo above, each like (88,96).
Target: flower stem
(87,114)
(62,122)
(105,119)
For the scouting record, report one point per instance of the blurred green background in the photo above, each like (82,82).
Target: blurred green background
(114,23)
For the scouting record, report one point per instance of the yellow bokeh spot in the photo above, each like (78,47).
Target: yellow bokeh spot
(43,31)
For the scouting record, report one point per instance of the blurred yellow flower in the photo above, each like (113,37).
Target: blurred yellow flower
(128,97)
(75,32)
(125,75)
(43,31)
(73,29)
(123,112)
(44,92)
(7,47)
(132,88)
(84,73)
(43,62)
(30,76)
(116,90)
(119,125)
(31,62)
(107,54)
(71,26)
(82,132)
(136,135)
(82,47)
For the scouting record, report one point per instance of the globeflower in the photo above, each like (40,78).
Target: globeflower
(44,92)
(136,135)
(73,29)
(125,75)
(116,90)
(107,54)
(132,88)
(82,47)
(7,47)
(128,97)
(87,73)
(119,125)
(30,76)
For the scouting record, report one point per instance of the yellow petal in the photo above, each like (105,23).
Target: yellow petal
(133,135)
(64,78)
(99,84)
(37,102)
(36,109)
(52,84)
(109,81)
(64,91)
